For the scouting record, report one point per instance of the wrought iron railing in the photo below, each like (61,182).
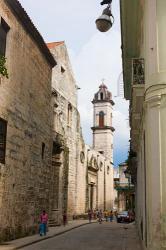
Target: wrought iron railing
(138,71)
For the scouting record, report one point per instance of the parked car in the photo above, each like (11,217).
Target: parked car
(125,216)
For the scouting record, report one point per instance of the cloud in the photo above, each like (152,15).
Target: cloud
(120,122)
(100,58)
(94,56)
(72,21)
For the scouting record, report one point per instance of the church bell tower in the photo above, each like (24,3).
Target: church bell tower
(102,122)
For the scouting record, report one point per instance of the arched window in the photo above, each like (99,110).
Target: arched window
(101,119)
(111,120)
(101,96)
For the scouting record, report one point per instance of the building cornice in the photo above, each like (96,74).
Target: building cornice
(103,128)
(103,101)
(154,94)
(131,38)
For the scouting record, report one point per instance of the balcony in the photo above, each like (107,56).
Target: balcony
(121,186)
(138,71)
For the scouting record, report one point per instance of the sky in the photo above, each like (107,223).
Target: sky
(94,56)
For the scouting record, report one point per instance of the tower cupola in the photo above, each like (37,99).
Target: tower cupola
(103,95)
(102,122)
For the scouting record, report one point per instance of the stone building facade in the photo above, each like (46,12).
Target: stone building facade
(124,189)
(25,123)
(66,131)
(44,162)
(89,172)
(144,67)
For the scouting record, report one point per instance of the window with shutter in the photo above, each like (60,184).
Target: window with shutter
(101,119)
(3,131)
(4,28)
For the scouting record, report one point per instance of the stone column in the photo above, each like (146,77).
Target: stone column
(104,186)
(87,184)
(56,210)
(94,196)
(155,121)
(155,136)
(88,198)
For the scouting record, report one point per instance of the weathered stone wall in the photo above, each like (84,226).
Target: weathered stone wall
(62,77)
(25,103)
(61,179)
(109,184)
(100,176)
(87,172)
(82,176)
(66,119)
(93,171)
(103,139)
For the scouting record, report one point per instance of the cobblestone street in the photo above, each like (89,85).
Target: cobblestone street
(94,236)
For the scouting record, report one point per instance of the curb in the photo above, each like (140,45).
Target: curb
(51,236)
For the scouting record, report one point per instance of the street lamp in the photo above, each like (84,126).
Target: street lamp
(106,20)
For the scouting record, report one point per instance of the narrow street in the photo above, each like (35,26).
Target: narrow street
(93,236)
(82,125)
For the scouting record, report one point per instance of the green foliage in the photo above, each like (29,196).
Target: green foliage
(131,154)
(3,69)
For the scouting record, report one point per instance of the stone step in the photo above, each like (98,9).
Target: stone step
(53,223)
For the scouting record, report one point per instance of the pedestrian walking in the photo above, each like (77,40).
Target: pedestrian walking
(106,215)
(90,215)
(97,213)
(94,214)
(64,218)
(111,216)
(100,214)
(43,223)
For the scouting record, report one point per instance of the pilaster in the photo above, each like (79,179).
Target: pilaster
(155,127)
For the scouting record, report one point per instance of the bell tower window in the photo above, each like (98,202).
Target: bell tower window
(101,96)
(101,119)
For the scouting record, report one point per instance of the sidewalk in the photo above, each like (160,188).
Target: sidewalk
(53,231)
(130,239)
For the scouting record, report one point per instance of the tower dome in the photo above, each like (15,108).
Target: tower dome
(103,95)
(102,122)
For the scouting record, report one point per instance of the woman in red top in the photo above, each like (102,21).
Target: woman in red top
(43,220)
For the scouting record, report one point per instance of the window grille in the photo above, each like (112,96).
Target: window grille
(3,131)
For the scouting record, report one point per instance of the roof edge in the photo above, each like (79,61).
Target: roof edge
(28,25)
(52,45)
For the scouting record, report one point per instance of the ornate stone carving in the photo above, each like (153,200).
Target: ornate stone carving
(138,71)
(93,164)
(82,157)
(101,166)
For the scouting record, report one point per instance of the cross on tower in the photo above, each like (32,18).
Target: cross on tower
(102,80)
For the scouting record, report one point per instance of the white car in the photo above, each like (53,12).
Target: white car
(123,217)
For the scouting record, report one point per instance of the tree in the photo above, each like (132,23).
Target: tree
(3,69)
